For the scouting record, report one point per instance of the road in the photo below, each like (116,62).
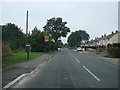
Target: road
(71,69)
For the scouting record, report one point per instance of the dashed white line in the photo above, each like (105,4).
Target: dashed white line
(75,58)
(86,69)
(92,74)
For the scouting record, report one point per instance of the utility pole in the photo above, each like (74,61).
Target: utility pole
(27,26)
(28,48)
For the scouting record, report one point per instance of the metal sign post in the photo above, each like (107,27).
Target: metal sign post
(28,50)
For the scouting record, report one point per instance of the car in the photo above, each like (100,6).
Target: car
(79,49)
(59,49)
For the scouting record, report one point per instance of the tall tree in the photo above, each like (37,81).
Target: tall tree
(35,30)
(13,34)
(37,41)
(56,27)
(77,37)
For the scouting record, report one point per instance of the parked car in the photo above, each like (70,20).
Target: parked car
(79,49)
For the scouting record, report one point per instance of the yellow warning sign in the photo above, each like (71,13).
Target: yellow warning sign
(46,38)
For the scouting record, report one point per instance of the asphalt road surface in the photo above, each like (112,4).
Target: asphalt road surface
(71,69)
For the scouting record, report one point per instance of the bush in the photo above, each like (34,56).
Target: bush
(116,45)
(115,51)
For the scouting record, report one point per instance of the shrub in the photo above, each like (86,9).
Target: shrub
(115,51)
(116,45)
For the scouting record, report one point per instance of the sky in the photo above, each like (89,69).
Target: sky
(97,18)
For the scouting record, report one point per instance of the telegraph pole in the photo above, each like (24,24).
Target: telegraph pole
(27,46)
(27,26)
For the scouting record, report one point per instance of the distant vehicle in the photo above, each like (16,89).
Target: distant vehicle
(59,48)
(79,49)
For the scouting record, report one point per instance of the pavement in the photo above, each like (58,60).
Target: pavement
(115,61)
(15,71)
(71,69)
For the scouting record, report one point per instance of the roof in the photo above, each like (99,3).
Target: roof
(104,37)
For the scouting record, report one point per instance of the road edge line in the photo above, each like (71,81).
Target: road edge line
(14,81)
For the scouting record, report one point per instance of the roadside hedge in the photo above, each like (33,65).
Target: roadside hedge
(114,51)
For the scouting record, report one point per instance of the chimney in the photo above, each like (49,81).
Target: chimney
(104,34)
(112,32)
(116,31)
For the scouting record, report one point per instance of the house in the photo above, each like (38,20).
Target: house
(104,40)
(114,37)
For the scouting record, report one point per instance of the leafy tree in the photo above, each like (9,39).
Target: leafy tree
(13,34)
(35,30)
(59,43)
(36,39)
(77,37)
(56,27)
(72,41)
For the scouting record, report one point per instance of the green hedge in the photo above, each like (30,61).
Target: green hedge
(116,45)
(114,52)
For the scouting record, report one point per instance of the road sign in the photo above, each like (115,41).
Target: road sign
(46,38)
(28,49)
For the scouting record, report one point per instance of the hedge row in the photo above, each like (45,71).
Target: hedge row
(114,52)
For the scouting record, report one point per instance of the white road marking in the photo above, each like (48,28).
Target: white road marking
(92,74)
(86,69)
(65,78)
(75,58)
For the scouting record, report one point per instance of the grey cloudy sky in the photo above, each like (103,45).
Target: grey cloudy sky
(97,18)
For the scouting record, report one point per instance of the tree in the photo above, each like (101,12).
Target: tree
(72,41)
(35,30)
(77,37)
(37,42)
(56,27)
(14,35)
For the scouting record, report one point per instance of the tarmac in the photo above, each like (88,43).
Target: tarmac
(19,70)
(115,61)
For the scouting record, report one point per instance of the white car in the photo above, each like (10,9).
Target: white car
(79,49)
(59,49)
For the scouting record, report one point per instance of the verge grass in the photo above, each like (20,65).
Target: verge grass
(18,57)
(110,56)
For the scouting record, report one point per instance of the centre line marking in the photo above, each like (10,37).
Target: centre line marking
(75,58)
(91,73)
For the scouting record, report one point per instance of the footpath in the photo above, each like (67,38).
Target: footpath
(21,68)
(115,61)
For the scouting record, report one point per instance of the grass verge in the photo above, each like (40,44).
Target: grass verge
(110,56)
(18,57)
